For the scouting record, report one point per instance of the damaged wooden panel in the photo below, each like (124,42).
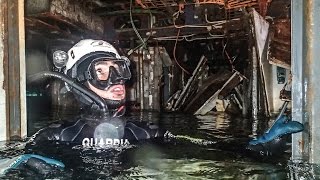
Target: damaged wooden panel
(208,93)
(234,82)
(191,86)
(67,12)
(280,43)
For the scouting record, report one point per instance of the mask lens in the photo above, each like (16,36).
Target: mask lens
(109,71)
(102,69)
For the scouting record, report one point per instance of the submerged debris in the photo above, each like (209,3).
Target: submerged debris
(302,170)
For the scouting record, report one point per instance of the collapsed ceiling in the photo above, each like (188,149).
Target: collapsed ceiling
(129,23)
(137,19)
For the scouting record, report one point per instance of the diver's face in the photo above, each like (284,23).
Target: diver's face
(112,92)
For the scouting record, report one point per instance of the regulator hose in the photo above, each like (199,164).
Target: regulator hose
(47,74)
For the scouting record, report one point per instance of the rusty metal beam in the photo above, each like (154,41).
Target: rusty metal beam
(3,72)
(13,71)
(13,64)
(263,7)
(16,67)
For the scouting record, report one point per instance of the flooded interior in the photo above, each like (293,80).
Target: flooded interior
(212,146)
(202,147)
(212,74)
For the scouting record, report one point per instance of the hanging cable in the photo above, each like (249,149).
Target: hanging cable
(143,43)
(174,53)
(190,37)
(137,47)
(134,26)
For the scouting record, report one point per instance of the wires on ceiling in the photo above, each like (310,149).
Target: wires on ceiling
(133,25)
(143,42)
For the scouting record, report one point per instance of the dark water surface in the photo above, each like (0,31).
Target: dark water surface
(203,147)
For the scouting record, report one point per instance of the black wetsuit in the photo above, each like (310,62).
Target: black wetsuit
(117,132)
(83,129)
(88,132)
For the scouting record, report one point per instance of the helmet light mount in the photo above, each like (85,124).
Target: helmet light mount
(60,59)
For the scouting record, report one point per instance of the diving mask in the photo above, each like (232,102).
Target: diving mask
(106,72)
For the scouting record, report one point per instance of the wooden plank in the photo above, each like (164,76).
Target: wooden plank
(209,87)
(211,102)
(191,82)
(229,87)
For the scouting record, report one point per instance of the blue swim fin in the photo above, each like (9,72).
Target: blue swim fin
(282,126)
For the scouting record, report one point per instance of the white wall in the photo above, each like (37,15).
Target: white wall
(3,112)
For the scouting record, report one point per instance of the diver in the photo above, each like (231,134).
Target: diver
(95,73)
(99,73)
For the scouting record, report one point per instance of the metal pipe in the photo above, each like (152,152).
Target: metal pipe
(283,109)
(254,83)
(141,88)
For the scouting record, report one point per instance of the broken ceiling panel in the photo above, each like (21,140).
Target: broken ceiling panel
(230,4)
(63,17)
(87,18)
